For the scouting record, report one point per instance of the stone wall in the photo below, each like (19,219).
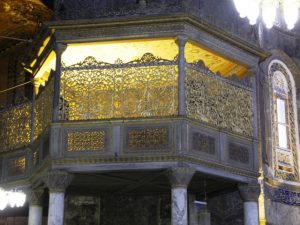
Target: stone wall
(118,209)
(281,214)
(129,210)
(226,209)
(82,210)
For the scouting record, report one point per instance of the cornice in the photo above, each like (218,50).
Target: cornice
(143,20)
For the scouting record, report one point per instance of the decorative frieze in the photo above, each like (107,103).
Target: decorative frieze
(203,143)
(238,153)
(282,195)
(16,166)
(151,138)
(86,141)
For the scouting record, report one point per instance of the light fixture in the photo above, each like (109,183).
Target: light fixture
(11,198)
(267,9)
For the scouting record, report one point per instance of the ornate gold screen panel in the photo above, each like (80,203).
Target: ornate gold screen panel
(147,139)
(218,102)
(15,127)
(145,87)
(86,141)
(16,166)
(43,109)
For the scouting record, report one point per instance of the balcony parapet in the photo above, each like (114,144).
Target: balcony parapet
(152,141)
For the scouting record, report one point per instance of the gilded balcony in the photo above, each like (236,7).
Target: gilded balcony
(130,101)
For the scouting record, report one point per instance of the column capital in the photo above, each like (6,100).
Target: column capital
(35,196)
(181,40)
(180,176)
(59,48)
(57,181)
(249,192)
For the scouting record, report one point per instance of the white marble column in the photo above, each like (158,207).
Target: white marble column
(204,217)
(179,178)
(35,216)
(250,194)
(57,182)
(193,212)
(56,208)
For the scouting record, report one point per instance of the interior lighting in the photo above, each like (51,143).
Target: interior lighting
(11,198)
(269,12)
(290,12)
(267,9)
(4,199)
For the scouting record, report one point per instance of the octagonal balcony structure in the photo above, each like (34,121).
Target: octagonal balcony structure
(127,94)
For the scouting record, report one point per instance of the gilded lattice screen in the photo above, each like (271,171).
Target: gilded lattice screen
(43,109)
(213,100)
(145,87)
(15,123)
(15,127)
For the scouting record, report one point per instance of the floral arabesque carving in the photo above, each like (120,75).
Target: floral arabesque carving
(43,109)
(15,127)
(217,102)
(145,87)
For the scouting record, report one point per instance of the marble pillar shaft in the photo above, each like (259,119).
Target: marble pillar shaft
(193,212)
(179,206)
(56,208)
(35,216)
(251,213)
(204,217)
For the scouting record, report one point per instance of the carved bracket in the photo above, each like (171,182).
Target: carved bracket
(249,192)
(180,176)
(57,181)
(35,196)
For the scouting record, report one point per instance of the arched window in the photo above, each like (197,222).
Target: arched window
(280,98)
(284,122)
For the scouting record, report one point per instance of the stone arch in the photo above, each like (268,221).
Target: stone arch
(292,74)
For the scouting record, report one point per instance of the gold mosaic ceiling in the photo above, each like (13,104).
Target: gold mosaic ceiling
(19,19)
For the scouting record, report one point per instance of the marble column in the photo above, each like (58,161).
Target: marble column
(179,178)
(181,41)
(35,216)
(59,49)
(250,194)
(193,212)
(204,217)
(57,183)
